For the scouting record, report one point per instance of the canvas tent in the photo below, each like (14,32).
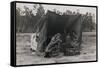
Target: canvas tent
(52,23)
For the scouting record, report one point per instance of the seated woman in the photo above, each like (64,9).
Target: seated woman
(53,47)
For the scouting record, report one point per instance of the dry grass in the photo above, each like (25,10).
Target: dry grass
(25,56)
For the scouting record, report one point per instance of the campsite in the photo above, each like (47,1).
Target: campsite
(45,36)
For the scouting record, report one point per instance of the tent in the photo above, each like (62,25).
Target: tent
(52,23)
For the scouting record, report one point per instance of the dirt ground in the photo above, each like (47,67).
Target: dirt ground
(26,57)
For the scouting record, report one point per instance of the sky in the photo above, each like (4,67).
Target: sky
(61,8)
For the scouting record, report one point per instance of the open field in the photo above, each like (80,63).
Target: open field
(25,56)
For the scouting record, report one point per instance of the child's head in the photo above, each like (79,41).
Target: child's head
(68,36)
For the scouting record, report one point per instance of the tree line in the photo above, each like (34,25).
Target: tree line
(26,20)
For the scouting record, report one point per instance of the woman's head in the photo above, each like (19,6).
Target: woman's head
(57,36)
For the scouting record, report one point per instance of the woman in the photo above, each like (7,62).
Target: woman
(53,47)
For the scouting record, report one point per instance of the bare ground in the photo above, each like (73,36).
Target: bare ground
(25,56)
